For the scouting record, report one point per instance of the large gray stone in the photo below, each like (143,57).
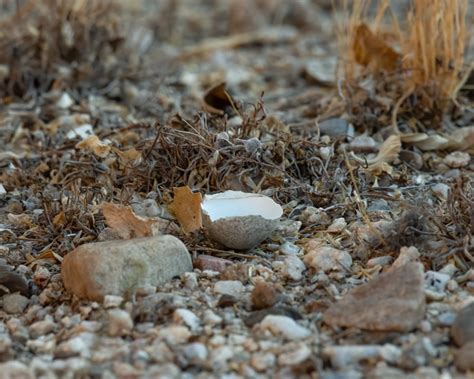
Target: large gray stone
(393,301)
(121,267)
(15,303)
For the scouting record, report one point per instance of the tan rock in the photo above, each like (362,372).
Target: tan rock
(121,267)
(208,262)
(327,258)
(392,301)
(464,357)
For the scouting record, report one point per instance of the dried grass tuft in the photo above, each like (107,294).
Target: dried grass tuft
(56,44)
(414,55)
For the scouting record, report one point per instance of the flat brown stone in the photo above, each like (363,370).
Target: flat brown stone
(462,330)
(208,262)
(464,357)
(393,301)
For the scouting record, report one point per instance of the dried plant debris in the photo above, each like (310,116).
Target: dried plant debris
(56,45)
(404,56)
(118,117)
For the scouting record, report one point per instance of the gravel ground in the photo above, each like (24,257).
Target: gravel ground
(369,273)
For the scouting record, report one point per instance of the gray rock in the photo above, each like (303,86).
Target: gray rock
(295,357)
(412,158)
(363,144)
(436,281)
(120,267)
(40,328)
(13,281)
(195,352)
(384,260)
(293,267)
(441,190)
(462,330)
(334,127)
(80,344)
(16,369)
(285,326)
(457,159)
(344,356)
(446,319)
(14,303)
(393,301)
(188,318)
(229,287)
(239,233)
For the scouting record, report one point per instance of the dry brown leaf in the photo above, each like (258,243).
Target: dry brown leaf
(378,168)
(45,255)
(124,222)
(129,156)
(371,50)
(217,100)
(186,207)
(388,151)
(59,219)
(95,145)
(21,220)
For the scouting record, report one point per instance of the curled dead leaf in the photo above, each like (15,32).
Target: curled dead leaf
(378,168)
(59,219)
(387,154)
(21,220)
(130,156)
(94,145)
(124,222)
(186,207)
(217,100)
(371,50)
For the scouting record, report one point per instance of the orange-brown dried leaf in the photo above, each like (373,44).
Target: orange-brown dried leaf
(186,207)
(124,222)
(95,145)
(371,50)
(59,219)
(20,220)
(129,156)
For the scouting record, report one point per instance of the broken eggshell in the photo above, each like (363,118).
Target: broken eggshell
(239,220)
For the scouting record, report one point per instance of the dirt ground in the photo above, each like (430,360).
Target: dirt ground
(106,108)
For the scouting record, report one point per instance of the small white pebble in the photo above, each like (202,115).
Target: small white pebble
(190,280)
(293,267)
(457,159)
(452,285)
(384,260)
(286,326)
(112,301)
(120,323)
(195,351)
(188,318)
(338,225)
(440,190)
(210,318)
(229,287)
(425,326)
